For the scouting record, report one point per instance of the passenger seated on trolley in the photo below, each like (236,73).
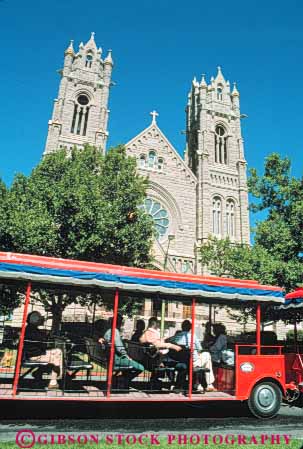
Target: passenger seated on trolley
(208,338)
(140,326)
(152,336)
(35,349)
(121,358)
(220,343)
(200,359)
(100,327)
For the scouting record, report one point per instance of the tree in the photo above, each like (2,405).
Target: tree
(228,259)
(9,299)
(83,206)
(281,233)
(4,236)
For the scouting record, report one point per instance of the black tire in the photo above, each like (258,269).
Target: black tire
(265,400)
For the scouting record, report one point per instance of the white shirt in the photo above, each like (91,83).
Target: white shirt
(184,338)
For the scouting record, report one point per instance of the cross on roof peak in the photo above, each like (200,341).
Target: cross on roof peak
(154,114)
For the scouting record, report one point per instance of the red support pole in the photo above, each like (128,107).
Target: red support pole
(296,336)
(258,328)
(192,339)
(112,348)
(21,341)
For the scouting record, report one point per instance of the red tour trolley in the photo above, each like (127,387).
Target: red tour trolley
(262,375)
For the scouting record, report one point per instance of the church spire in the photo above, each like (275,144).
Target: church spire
(109,59)
(91,42)
(235,92)
(220,76)
(203,84)
(70,49)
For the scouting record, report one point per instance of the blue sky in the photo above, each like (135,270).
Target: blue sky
(158,46)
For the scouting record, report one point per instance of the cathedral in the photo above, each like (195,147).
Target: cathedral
(190,199)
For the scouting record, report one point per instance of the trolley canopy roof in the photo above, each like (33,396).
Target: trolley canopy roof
(294,300)
(65,272)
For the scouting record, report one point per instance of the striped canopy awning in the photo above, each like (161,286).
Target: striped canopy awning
(65,272)
(294,300)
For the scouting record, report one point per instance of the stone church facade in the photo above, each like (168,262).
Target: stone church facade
(189,199)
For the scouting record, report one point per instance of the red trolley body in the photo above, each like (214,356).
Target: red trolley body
(261,374)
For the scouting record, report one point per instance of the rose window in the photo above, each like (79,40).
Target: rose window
(159,214)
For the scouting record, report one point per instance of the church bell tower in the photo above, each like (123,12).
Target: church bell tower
(215,154)
(80,112)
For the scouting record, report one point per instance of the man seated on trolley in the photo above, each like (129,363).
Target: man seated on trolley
(201,359)
(121,358)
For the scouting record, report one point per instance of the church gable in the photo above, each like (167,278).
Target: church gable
(154,153)
(171,197)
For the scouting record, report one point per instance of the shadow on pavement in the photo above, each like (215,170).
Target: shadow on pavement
(24,410)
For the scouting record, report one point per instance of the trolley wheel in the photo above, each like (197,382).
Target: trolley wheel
(265,400)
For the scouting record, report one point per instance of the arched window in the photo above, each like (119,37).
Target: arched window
(187,266)
(160,163)
(151,159)
(217,216)
(220,145)
(89,60)
(159,214)
(142,161)
(230,219)
(80,115)
(219,92)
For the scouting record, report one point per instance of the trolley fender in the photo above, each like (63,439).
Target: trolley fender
(267,377)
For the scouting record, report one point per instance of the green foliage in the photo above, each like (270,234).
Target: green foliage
(9,299)
(290,336)
(4,236)
(81,206)
(281,233)
(281,195)
(224,258)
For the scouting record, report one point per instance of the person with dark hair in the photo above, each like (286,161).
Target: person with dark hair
(220,343)
(209,338)
(140,326)
(122,359)
(152,336)
(35,349)
(99,329)
(200,359)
